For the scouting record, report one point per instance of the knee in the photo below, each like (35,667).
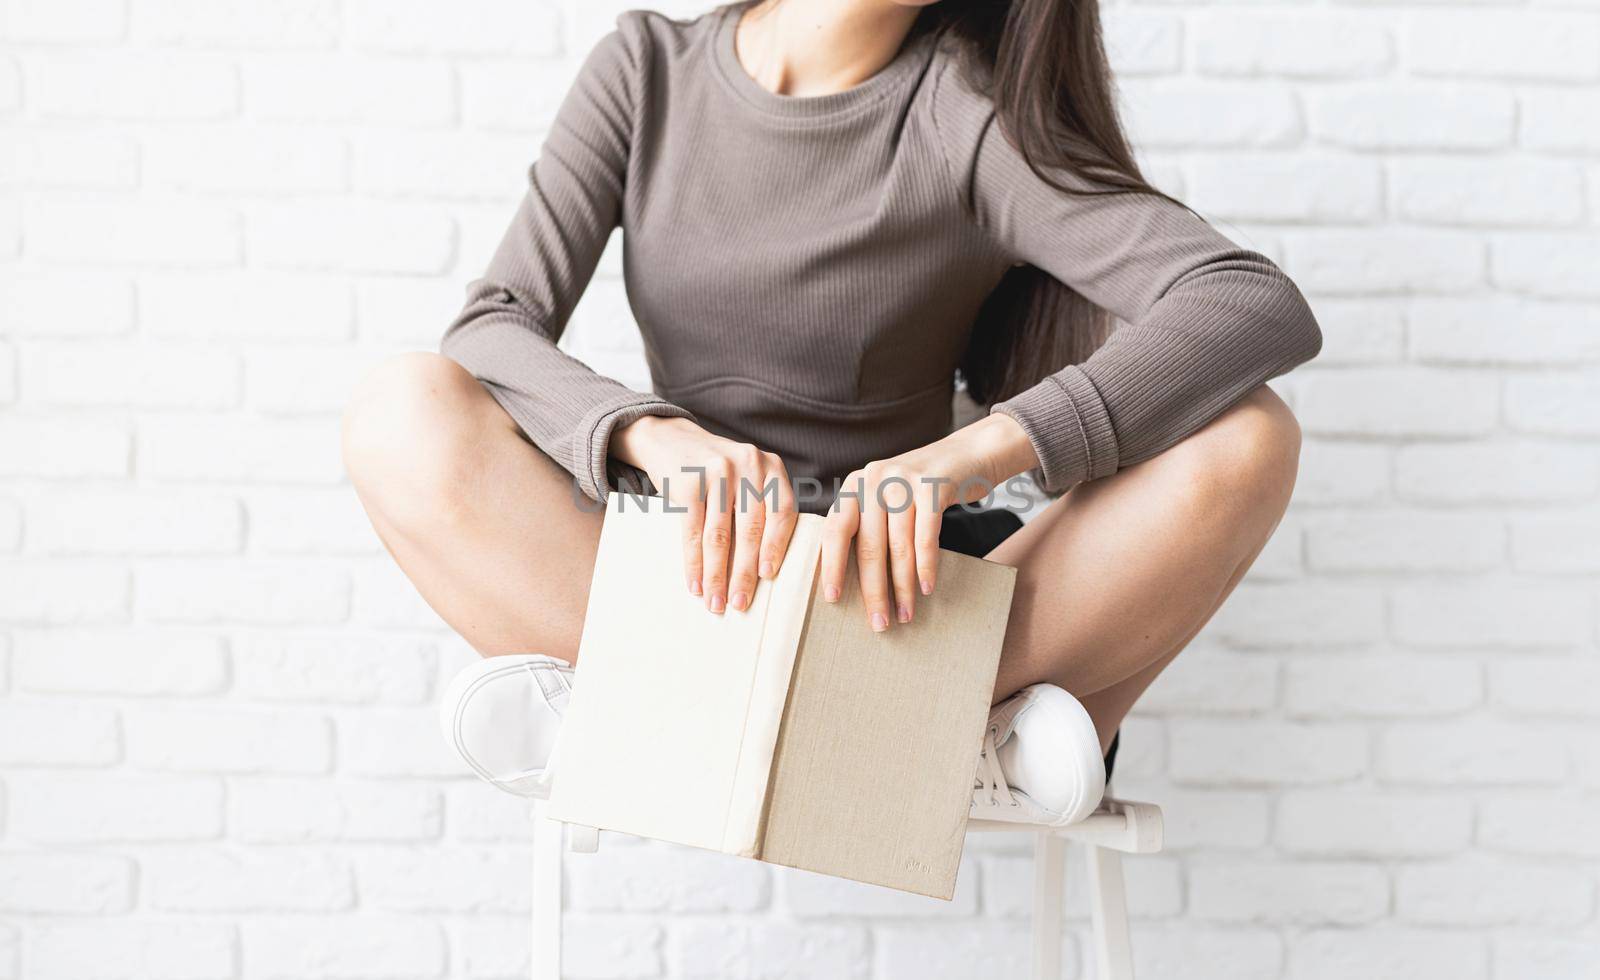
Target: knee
(1249,455)
(410,435)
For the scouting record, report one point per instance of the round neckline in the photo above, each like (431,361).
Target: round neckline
(726,56)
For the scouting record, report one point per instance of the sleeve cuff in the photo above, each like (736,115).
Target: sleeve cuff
(1065,419)
(593,439)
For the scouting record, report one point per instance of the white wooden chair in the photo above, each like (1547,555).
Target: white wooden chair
(1117,828)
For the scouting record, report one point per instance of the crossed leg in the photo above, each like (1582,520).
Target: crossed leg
(1113,581)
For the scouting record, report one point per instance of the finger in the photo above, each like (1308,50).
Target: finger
(900,519)
(781,520)
(838,531)
(749,522)
(872,546)
(930,518)
(694,522)
(717,540)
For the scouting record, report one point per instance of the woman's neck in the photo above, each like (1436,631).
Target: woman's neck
(819,47)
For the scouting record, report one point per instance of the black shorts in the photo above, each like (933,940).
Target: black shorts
(978,532)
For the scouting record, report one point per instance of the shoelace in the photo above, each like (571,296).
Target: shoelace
(990,781)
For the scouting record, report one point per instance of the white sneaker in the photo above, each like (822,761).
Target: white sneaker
(1040,762)
(501,715)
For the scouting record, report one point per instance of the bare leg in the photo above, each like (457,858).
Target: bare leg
(484,525)
(1116,577)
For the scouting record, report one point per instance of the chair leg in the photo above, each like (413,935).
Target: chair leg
(545,952)
(1049,878)
(1108,901)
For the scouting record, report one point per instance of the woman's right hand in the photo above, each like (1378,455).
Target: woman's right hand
(740,506)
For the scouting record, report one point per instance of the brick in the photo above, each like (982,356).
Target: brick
(419,26)
(254,306)
(479,812)
(1301,893)
(260,592)
(1560,121)
(386,599)
(1342,473)
(1470,753)
(1206,954)
(1201,819)
(1492,893)
(1494,44)
(1359,331)
(280,159)
(1205,683)
(1161,115)
(1299,615)
(662,879)
(1449,191)
(604,948)
(1405,116)
(136,522)
(51,592)
(1266,753)
(1298,44)
(771,951)
(60,448)
(1386,954)
(230,740)
(100,809)
(1361,823)
(330,88)
(1560,266)
(304,811)
(136,950)
(1476,473)
(402,742)
(31,305)
(1393,260)
(1490,615)
(974,950)
(1400,401)
(352,237)
(69,21)
(136,375)
(65,883)
(1547,686)
(237,23)
(1541,957)
(305,381)
(1155,887)
(1142,42)
(1380,686)
(1405,541)
(1556,543)
(8,374)
(512,96)
(72,159)
(57,734)
(129,86)
(333,668)
(1559,404)
(436,880)
(1503,330)
(98,228)
(450,166)
(292,521)
(346,947)
(10,953)
(1297,187)
(128,663)
(10,525)
(216,449)
(1559,827)
(10,86)
(413,312)
(218,880)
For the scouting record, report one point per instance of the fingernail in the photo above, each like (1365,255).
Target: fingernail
(831,593)
(879,624)
(740,600)
(716,603)
(904,612)
(766,569)
(694,587)
(927,587)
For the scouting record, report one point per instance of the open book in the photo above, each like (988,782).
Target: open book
(789,732)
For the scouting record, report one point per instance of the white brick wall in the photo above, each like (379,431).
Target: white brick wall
(217,758)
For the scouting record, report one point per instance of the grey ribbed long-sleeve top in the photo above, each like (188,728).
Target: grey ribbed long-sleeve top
(806,272)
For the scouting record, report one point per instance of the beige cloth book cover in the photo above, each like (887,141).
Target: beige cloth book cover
(790,733)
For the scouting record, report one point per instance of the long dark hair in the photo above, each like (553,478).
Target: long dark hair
(1045,67)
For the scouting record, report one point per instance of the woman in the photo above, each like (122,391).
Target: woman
(830,208)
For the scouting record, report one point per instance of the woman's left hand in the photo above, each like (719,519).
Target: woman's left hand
(893,510)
